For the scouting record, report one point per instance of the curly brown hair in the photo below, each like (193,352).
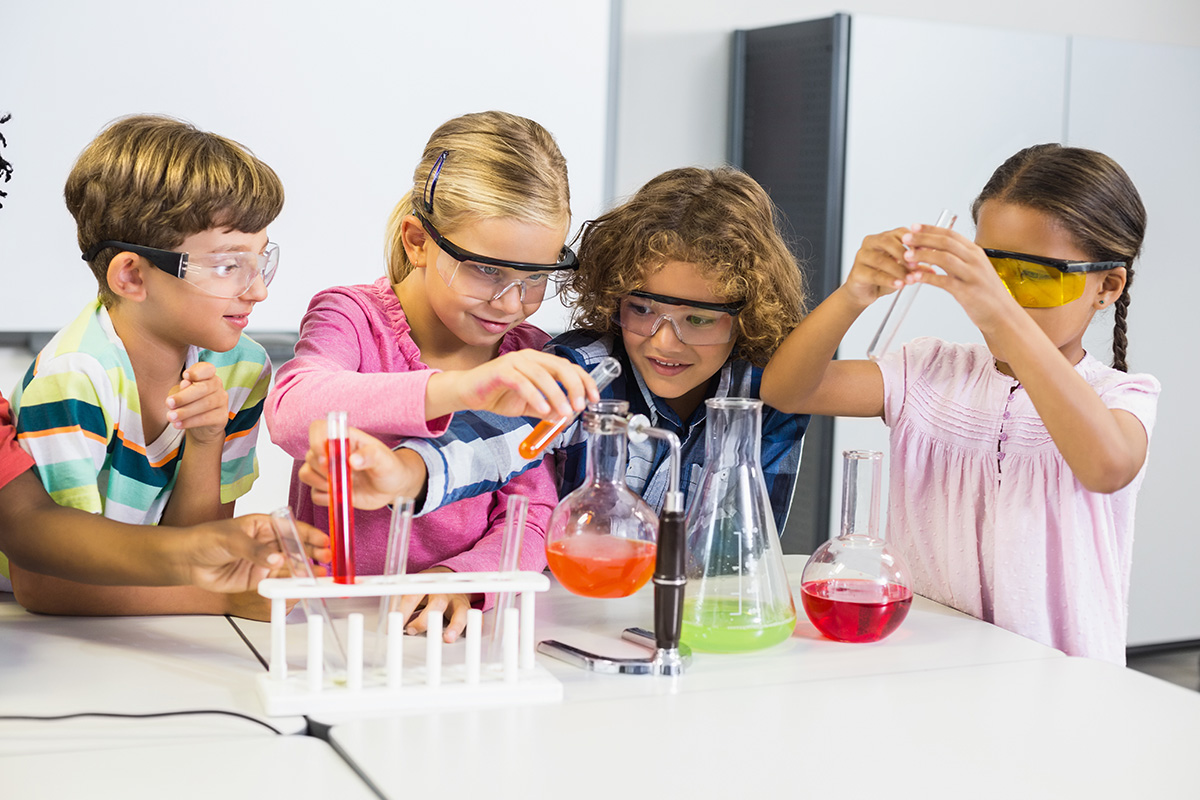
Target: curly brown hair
(719,219)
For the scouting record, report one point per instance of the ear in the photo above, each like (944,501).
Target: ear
(417,243)
(1111,286)
(125,277)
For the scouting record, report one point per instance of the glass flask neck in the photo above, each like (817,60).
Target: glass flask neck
(861,473)
(607,450)
(734,431)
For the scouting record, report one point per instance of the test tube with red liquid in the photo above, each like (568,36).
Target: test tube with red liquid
(545,431)
(341,497)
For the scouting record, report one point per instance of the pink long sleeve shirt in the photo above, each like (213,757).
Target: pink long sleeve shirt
(356,354)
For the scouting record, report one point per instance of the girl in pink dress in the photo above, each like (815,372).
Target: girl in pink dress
(474,247)
(1015,465)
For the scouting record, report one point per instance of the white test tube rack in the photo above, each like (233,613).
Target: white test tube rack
(516,678)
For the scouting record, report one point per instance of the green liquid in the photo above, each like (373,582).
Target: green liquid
(724,627)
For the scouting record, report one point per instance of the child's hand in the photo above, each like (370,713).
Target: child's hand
(455,606)
(199,405)
(879,267)
(234,555)
(970,277)
(378,474)
(523,383)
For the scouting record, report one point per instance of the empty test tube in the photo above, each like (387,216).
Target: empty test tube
(510,550)
(545,431)
(395,564)
(901,304)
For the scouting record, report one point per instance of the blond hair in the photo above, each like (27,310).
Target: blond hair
(499,166)
(719,219)
(154,180)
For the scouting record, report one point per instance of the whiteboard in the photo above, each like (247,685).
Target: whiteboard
(339,98)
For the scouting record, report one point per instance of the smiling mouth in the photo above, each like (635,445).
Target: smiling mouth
(668,364)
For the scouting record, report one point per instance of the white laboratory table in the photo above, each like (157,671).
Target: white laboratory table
(53,665)
(260,766)
(1039,728)
(932,637)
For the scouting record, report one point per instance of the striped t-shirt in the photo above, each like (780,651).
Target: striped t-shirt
(78,415)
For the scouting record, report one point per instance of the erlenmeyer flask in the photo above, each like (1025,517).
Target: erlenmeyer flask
(854,588)
(737,596)
(601,539)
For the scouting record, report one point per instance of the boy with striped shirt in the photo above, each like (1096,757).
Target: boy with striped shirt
(145,409)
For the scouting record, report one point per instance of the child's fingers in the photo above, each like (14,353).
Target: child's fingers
(408,604)
(459,606)
(200,371)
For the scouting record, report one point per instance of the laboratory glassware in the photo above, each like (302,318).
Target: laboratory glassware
(738,598)
(341,497)
(545,431)
(855,588)
(601,538)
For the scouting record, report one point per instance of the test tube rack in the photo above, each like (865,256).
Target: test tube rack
(517,678)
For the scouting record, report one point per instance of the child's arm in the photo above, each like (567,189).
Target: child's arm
(1105,448)
(227,556)
(199,406)
(538,485)
(802,376)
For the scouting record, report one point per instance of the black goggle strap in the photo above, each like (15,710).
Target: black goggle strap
(168,261)
(566,258)
(1059,264)
(729,308)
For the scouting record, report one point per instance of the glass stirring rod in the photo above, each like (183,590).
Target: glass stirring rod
(901,304)
(547,429)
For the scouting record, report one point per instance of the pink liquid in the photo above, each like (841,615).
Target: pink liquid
(855,610)
(341,510)
(601,566)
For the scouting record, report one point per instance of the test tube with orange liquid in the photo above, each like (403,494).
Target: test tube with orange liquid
(545,431)
(341,497)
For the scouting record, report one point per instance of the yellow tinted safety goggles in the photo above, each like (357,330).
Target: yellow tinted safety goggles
(1038,282)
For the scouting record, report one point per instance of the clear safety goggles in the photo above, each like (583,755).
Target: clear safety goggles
(487,278)
(218,274)
(1039,282)
(695,322)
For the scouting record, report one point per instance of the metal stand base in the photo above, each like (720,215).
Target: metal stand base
(663,662)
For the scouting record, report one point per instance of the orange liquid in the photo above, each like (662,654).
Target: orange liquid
(601,566)
(541,436)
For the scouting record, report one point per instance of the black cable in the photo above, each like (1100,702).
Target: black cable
(195,712)
(249,644)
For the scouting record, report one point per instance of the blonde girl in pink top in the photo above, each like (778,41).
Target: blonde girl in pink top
(1015,465)
(474,247)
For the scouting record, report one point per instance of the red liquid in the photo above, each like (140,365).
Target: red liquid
(856,610)
(601,566)
(341,510)
(542,435)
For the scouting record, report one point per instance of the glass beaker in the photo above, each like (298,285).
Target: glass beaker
(854,588)
(737,596)
(601,539)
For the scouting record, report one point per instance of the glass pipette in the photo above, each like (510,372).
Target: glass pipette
(900,305)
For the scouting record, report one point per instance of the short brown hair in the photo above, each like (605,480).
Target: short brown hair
(720,219)
(154,180)
(500,166)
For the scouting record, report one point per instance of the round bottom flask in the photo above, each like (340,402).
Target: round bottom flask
(601,538)
(854,588)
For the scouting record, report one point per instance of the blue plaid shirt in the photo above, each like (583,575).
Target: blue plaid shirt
(478,453)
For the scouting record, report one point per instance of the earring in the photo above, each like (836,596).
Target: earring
(1101,302)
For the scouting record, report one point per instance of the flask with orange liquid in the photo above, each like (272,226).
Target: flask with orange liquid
(601,540)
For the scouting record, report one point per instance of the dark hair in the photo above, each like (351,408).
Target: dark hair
(720,219)
(1091,197)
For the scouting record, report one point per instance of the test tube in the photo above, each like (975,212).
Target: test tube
(341,497)
(301,568)
(901,304)
(395,564)
(547,429)
(510,550)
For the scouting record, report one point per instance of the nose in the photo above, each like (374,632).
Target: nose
(257,291)
(511,298)
(666,333)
